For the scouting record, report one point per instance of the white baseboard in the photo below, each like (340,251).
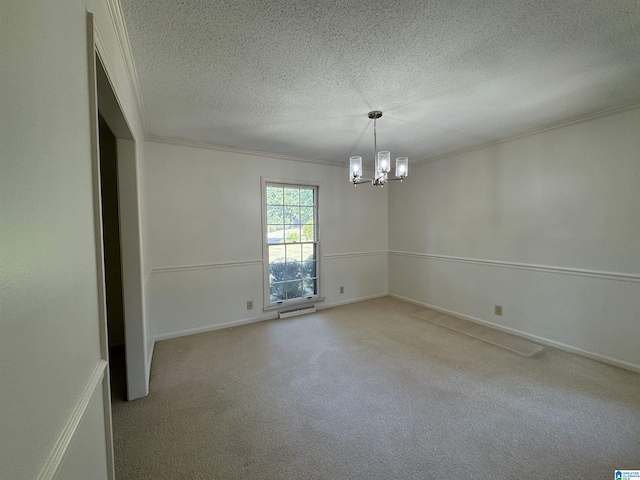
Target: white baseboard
(246,321)
(218,326)
(54,462)
(541,340)
(150,359)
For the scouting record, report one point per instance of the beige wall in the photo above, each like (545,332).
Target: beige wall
(565,199)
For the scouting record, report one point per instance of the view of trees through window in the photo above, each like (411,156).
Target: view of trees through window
(291,241)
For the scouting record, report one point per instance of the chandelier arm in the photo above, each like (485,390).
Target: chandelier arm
(362,180)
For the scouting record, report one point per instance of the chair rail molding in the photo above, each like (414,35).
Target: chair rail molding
(53,463)
(205,266)
(356,254)
(616,276)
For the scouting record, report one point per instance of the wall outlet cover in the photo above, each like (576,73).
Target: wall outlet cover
(498,310)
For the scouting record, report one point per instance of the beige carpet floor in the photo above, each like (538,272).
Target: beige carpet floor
(367,391)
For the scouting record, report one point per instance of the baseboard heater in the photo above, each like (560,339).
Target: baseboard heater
(296,311)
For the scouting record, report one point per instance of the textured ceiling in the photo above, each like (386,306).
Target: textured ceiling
(298,77)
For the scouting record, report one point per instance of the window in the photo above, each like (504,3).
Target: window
(290,242)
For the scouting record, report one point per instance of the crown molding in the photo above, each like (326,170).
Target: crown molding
(115,10)
(208,146)
(565,123)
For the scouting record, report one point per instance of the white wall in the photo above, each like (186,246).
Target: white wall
(530,224)
(85,457)
(49,337)
(205,212)
(52,411)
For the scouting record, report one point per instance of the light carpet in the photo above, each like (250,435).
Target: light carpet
(366,391)
(495,337)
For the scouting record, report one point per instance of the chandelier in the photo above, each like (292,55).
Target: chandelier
(382,162)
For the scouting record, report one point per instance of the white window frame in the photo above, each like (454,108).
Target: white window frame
(268,305)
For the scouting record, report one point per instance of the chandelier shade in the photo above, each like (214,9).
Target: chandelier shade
(402,167)
(355,168)
(382,162)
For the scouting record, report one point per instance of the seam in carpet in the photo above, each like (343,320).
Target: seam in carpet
(486,334)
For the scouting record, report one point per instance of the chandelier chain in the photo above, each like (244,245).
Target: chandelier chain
(375,137)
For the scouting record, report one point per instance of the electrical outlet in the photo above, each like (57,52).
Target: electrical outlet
(249,304)
(498,310)
(341,290)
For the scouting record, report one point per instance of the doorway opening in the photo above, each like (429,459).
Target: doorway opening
(124,341)
(112,258)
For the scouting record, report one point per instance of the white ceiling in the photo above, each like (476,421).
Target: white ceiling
(298,77)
